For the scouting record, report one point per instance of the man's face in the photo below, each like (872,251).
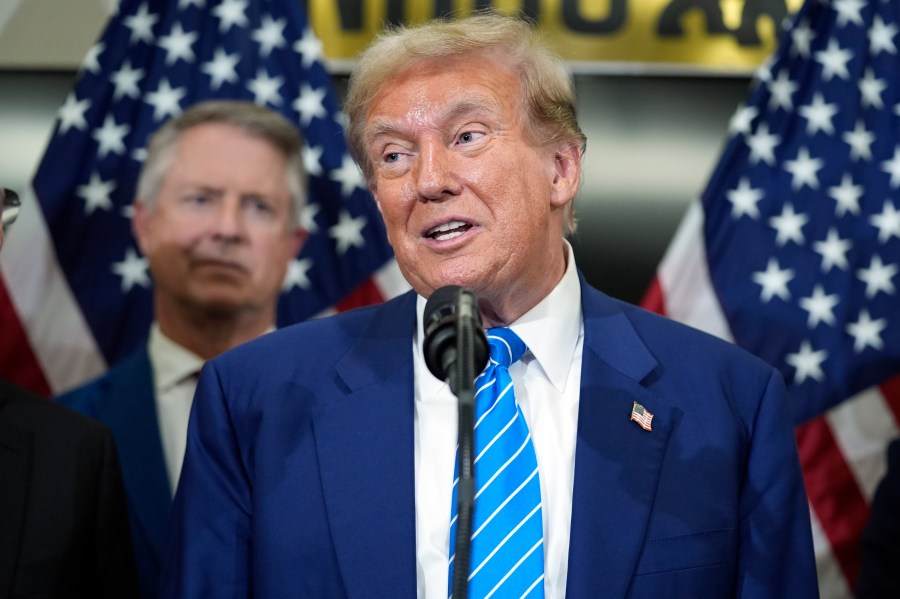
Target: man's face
(467,199)
(219,237)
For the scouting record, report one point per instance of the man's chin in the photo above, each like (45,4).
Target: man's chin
(221,304)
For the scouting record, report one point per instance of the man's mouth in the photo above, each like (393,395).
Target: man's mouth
(219,263)
(448,231)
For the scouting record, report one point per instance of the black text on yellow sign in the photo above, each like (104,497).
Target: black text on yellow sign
(714,34)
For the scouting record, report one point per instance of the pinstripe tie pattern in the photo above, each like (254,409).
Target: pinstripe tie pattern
(507,555)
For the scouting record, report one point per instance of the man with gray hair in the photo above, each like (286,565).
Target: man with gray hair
(616,453)
(217,218)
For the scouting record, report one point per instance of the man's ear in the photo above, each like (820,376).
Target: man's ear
(567,175)
(299,235)
(377,201)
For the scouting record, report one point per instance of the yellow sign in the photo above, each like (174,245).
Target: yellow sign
(715,35)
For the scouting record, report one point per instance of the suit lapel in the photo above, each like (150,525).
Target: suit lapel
(365,445)
(617,463)
(366,449)
(15,471)
(128,407)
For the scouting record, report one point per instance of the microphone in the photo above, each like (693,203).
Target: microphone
(455,349)
(452,325)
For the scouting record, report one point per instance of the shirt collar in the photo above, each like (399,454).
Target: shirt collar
(171,362)
(550,329)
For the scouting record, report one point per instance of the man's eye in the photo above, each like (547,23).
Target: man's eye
(392,157)
(469,137)
(260,206)
(199,199)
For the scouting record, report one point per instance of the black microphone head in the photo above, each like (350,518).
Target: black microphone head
(443,310)
(443,300)
(439,324)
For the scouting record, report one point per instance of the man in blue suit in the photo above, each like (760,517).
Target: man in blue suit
(217,218)
(320,459)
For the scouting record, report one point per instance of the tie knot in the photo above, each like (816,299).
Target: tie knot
(505,346)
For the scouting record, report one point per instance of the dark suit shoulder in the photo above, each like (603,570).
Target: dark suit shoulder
(44,416)
(320,339)
(87,397)
(314,361)
(71,536)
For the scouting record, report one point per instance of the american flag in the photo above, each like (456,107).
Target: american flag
(793,253)
(77,292)
(643,417)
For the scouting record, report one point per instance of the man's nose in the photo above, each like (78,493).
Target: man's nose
(228,221)
(434,172)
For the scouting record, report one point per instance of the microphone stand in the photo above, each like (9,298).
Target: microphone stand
(462,383)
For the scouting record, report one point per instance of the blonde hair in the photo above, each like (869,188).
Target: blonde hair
(547,91)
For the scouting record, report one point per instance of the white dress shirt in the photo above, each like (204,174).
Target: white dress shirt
(175,371)
(547,382)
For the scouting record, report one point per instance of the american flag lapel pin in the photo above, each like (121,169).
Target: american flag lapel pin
(642,416)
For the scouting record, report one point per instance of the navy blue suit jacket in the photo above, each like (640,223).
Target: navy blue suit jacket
(123,398)
(299,474)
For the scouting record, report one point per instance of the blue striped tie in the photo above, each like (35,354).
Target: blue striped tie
(507,555)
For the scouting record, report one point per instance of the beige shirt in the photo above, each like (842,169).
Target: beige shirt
(547,382)
(175,371)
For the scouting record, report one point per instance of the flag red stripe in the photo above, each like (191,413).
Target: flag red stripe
(834,493)
(891,391)
(365,294)
(18,363)
(653,299)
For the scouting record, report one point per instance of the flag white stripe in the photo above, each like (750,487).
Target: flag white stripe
(832,582)
(684,276)
(389,280)
(861,425)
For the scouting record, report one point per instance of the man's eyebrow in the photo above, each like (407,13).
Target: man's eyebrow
(379,128)
(202,188)
(476,103)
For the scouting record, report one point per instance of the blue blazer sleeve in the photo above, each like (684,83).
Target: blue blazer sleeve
(211,523)
(298,479)
(775,556)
